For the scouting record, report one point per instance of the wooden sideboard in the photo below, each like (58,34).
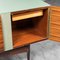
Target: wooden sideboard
(28,26)
(33,25)
(22,22)
(20,26)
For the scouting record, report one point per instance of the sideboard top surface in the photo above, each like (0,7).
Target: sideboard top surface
(18,5)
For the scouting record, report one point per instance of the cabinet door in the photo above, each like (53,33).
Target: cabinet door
(54,29)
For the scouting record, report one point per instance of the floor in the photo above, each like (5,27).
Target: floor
(45,50)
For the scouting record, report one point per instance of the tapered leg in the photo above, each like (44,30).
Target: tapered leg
(28,53)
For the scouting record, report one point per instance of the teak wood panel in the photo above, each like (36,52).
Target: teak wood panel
(30,30)
(55,24)
(1,37)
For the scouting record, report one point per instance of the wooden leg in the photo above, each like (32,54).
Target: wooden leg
(28,53)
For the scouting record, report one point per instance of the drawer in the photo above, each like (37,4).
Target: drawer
(55,10)
(54,25)
(55,32)
(26,14)
(54,38)
(55,19)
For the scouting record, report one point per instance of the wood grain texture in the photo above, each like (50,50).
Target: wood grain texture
(1,37)
(30,30)
(55,24)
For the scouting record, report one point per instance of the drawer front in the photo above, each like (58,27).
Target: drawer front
(54,33)
(55,19)
(26,14)
(55,25)
(1,38)
(54,38)
(55,10)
